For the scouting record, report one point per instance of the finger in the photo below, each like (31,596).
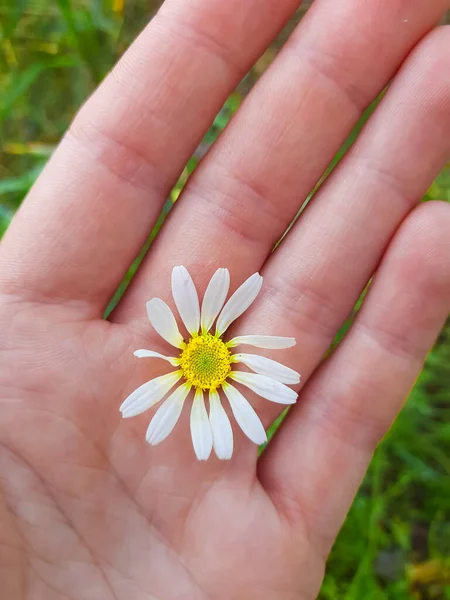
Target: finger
(314,278)
(314,467)
(95,204)
(244,195)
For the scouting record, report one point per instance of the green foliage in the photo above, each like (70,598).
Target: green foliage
(396,540)
(52,54)
(440,190)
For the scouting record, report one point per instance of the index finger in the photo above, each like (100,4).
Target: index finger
(96,202)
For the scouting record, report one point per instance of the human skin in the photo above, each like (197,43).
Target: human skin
(89,511)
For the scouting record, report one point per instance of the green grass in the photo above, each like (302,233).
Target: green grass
(396,540)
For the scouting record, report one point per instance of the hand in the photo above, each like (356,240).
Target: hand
(88,510)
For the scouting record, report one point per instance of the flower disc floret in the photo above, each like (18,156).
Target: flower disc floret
(206,361)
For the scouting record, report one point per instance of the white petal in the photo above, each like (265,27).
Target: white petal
(221,427)
(245,415)
(239,302)
(150,354)
(163,321)
(148,394)
(186,298)
(201,433)
(266,387)
(268,367)
(270,342)
(167,415)
(214,298)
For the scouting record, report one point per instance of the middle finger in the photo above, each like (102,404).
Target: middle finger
(249,188)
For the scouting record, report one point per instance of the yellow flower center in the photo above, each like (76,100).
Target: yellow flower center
(205,361)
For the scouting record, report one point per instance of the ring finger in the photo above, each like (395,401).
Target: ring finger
(314,278)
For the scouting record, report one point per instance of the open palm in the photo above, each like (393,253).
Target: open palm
(88,510)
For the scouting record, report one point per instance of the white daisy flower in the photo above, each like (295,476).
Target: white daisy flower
(205,363)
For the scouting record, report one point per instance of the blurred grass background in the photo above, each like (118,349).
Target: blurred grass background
(396,540)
